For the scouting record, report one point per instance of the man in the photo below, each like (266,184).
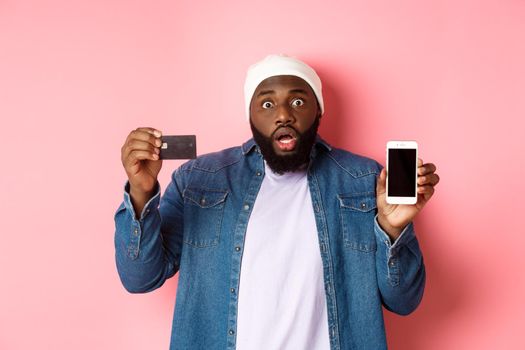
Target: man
(282,243)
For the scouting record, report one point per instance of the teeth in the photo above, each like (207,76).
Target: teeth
(286,140)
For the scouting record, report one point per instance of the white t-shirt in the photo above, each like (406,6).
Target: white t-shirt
(282,302)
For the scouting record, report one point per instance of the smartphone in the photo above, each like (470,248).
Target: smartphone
(178,147)
(401,170)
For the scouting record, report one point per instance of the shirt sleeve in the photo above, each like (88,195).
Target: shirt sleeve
(147,250)
(400,270)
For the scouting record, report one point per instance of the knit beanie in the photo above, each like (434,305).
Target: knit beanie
(273,65)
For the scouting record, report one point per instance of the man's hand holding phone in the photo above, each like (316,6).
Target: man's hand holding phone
(393,217)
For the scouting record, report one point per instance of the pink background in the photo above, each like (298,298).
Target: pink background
(77,76)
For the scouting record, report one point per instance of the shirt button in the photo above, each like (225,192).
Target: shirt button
(203,201)
(232,290)
(258,173)
(231,332)
(237,249)
(363,205)
(391,263)
(246,207)
(136,231)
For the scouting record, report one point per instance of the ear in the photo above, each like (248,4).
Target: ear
(319,114)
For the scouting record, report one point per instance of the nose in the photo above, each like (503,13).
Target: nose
(284,116)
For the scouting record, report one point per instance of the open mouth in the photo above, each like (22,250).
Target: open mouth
(285,138)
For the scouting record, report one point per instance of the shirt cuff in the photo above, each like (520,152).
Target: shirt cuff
(406,236)
(152,203)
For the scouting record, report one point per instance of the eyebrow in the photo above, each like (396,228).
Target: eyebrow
(269,92)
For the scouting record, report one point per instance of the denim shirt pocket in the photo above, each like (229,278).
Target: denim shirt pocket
(203,213)
(357,212)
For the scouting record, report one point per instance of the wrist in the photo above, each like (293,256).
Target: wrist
(392,231)
(139,198)
(140,193)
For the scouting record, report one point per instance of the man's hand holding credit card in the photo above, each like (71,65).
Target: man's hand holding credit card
(142,155)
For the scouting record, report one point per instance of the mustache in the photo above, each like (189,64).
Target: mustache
(287,127)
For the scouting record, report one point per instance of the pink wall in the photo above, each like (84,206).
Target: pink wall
(76,76)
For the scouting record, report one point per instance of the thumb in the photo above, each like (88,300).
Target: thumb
(381,183)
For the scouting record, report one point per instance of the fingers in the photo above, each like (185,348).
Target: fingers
(141,144)
(424,169)
(135,156)
(145,134)
(137,145)
(429,179)
(426,191)
(426,180)
(381,183)
(152,131)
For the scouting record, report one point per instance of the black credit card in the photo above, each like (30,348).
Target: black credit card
(178,147)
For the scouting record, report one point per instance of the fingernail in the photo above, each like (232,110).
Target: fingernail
(158,142)
(157,133)
(155,156)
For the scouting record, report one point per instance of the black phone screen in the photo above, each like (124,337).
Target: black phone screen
(401,172)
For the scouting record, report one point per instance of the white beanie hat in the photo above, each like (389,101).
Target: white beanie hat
(273,65)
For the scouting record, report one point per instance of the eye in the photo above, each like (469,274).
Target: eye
(297,102)
(267,104)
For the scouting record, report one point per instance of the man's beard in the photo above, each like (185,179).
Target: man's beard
(293,161)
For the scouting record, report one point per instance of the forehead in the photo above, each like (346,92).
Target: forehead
(283,82)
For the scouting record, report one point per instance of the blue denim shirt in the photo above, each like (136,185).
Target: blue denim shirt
(198,228)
